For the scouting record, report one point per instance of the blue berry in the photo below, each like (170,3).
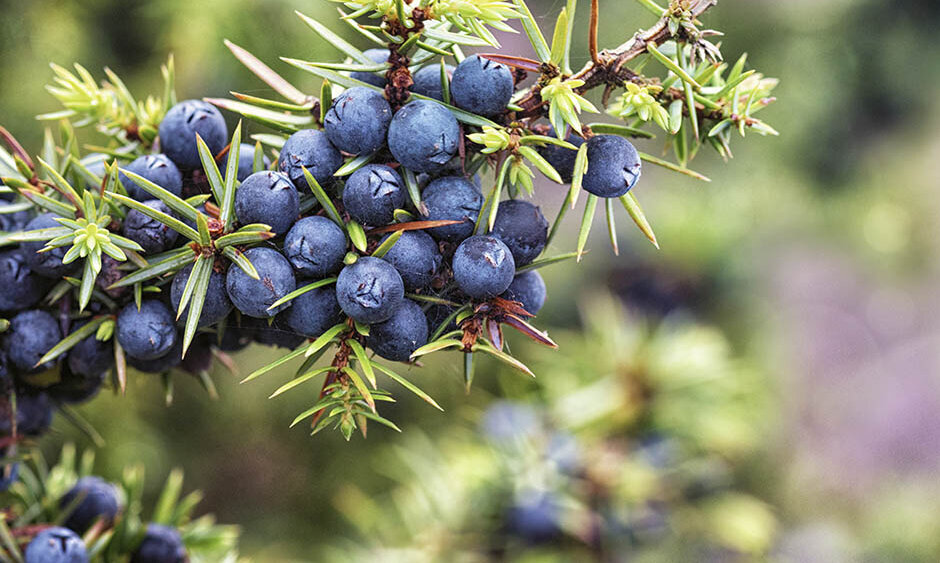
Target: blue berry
(147,333)
(373,193)
(357,122)
(152,235)
(310,149)
(427,81)
(181,125)
(483,267)
(269,198)
(273,332)
(93,498)
(33,414)
(614,166)
(404,332)
(523,228)
(30,336)
(13,222)
(48,264)
(74,388)
(369,290)
(162,364)
(314,312)
(481,86)
(423,136)
(417,258)
(95,163)
(437,314)
(254,297)
(161,544)
(315,247)
(528,289)
(158,169)
(452,198)
(535,519)
(217,305)
(21,287)
(246,161)
(562,159)
(56,545)
(377,56)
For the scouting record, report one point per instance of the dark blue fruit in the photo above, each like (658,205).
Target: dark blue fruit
(373,193)
(357,122)
(398,337)
(217,305)
(246,161)
(314,312)
(254,297)
(369,290)
(163,364)
(562,159)
(377,56)
(437,314)
(33,414)
(158,169)
(452,198)
(93,499)
(523,228)
(417,258)
(269,198)
(161,544)
(147,333)
(535,519)
(181,125)
(310,149)
(74,388)
(152,235)
(273,332)
(483,267)
(95,163)
(90,357)
(30,336)
(428,81)
(423,136)
(315,247)
(48,264)
(529,289)
(481,86)
(56,545)
(614,166)
(21,287)
(13,222)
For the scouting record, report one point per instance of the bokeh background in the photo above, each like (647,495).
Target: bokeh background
(797,291)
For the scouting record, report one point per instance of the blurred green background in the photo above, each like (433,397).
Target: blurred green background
(814,254)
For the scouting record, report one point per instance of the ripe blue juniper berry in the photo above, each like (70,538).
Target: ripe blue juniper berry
(179,128)
(12,222)
(562,159)
(528,289)
(217,305)
(33,414)
(417,258)
(268,198)
(428,81)
(158,169)
(310,149)
(369,290)
(246,161)
(161,544)
(152,235)
(357,122)
(375,79)
(89,500)
(373,193)
(483,267)
(255,297)
(482,86)
(404,332)
(613,166)
(452,198)
(32,333)
(315,247)
(74,388)
(523,228)
(56,545)
(423,136)
(161,364)
(311,314)
(146,333)
(22,288)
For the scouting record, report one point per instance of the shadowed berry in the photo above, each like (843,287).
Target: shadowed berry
(254,297)
(483,267)
(158,169)
(535,518)
(95,163)
(48,264)
(161,544)
(93,498)
(452,198)
(31,334)
(272,332)
(217,305)
(417,258)
(373,193)
(529,289)
(315,247)
(614,166)
(369,290)
(437,314)
(173,358)
(562,159)
(56,545)
(314,312)
(481,86)
(74,388)
(147,333)
(13,222)
(357,122)
(428,81)
(246,161)
(232,337)
(152,235)
(182,123)
(90,356)
(376,56)
(523,228)
(269,198)
(21,287)
(423,136)
(402,334)
(310,149)
(33,414)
